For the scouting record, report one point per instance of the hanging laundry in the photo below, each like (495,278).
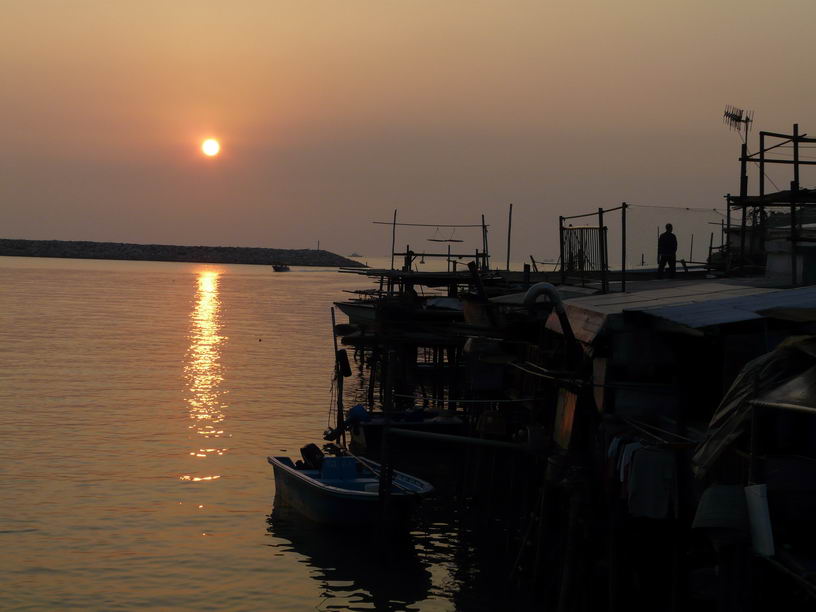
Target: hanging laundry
(652,483)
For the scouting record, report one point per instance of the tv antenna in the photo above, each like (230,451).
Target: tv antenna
(735,118)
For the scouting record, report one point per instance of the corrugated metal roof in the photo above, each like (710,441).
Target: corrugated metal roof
(589,314)
(734,309)
(694,305)
(701,315)
(566,293)
(672,293)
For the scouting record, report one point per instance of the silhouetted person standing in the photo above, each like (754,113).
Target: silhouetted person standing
(667,252)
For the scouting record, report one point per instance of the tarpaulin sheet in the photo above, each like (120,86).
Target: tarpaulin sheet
(757,380)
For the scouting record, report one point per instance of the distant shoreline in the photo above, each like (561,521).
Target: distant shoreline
(75,249)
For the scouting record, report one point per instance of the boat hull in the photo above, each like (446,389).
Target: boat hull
(333,505)
(366,437)
(359,313)
(366,313)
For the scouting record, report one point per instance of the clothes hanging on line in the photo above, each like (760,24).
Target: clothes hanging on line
(644,475)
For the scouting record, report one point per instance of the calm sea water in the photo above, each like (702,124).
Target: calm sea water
(138,402)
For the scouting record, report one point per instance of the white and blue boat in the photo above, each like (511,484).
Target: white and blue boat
(344,490)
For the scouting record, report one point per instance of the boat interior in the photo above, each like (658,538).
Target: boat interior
(342,472)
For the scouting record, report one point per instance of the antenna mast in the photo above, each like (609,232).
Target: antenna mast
(735,118)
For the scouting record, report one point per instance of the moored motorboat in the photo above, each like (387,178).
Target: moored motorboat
(359,312)
(367,427)
(423,310)
(343,490)
(280,267)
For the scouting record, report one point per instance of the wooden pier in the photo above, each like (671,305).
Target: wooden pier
(586,407)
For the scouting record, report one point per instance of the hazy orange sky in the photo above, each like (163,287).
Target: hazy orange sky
(332,114)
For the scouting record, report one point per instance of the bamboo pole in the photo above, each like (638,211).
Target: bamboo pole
(623,247)
(509,228)
(393,237)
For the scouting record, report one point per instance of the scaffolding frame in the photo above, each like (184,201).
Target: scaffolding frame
(792,198)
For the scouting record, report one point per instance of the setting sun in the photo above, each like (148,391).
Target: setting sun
(210,147)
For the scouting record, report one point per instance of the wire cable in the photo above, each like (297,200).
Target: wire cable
(688,208)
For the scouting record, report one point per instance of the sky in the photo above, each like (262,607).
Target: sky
(334,114)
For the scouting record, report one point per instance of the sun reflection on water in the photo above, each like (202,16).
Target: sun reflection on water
(203,372)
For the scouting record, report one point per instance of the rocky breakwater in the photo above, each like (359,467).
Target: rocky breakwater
(168,252)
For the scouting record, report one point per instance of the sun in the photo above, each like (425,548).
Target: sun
(210,147)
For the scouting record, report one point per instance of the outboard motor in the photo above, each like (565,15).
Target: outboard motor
(312,456)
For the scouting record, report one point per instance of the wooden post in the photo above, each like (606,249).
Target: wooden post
(569,569)
(753,444)
(341,425)
(509,228)
(743,226)
(794,198)
(372,377)
(743,195)
(582,244)
(561,246)
(387,470)
(542,507)
(796,154)
(484,245)
(393,237)
(691,249)
(602,249)
(794,192)
(613,558)
(623,247)
(453,359)
(760,236)
(761,164)
(727,237)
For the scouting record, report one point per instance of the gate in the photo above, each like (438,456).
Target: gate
(583,253)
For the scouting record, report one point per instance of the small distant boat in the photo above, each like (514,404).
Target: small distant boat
(343,490)
(280,267)
(355,254)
